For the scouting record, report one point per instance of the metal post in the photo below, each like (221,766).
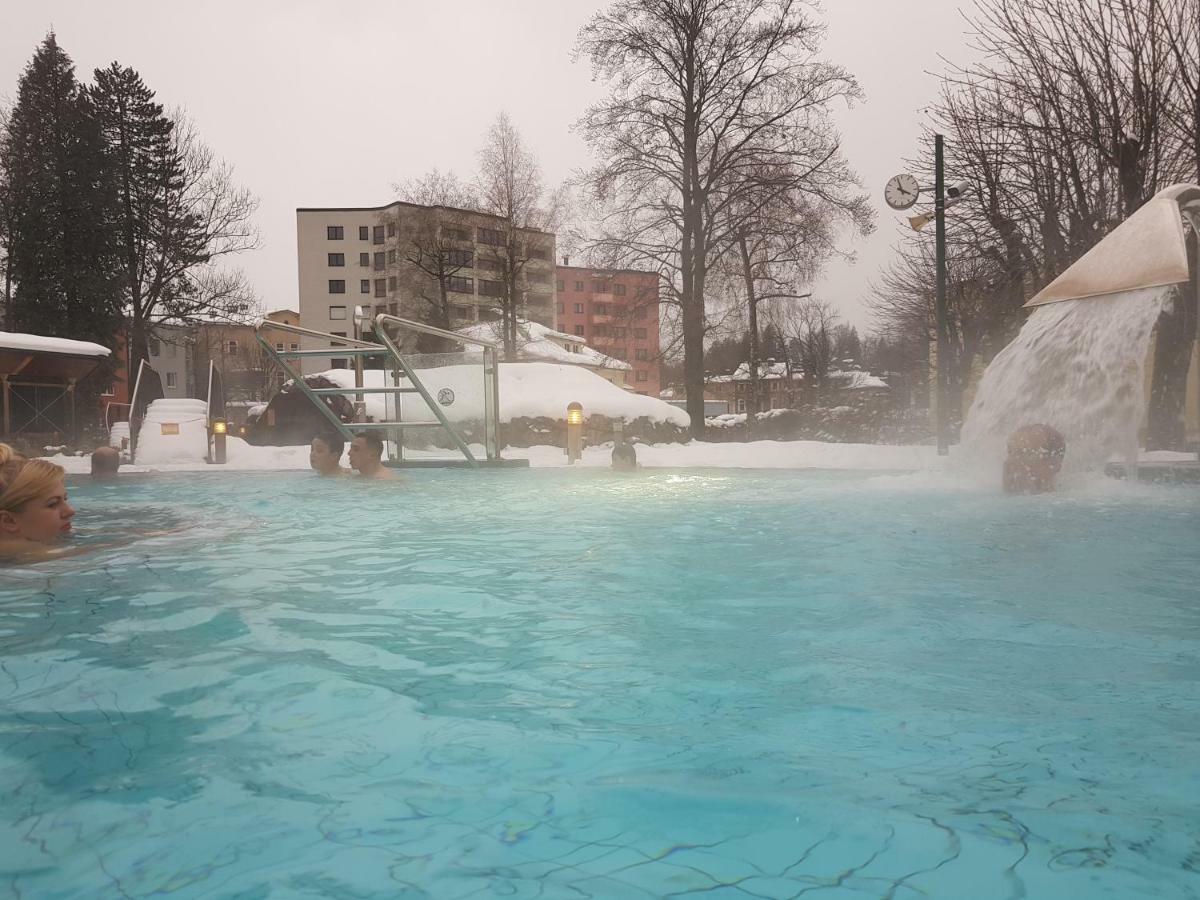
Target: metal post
(7,406)
(943,338)
(74,425)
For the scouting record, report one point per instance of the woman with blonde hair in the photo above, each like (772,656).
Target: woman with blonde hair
(34,512)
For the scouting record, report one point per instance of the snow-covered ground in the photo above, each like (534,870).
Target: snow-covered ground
(697,454)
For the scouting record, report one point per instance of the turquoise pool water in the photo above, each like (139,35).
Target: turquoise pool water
(573,684)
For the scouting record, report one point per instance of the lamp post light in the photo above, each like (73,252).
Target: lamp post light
(574,431)
(220,428)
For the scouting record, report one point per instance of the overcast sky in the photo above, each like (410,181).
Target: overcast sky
(328,104)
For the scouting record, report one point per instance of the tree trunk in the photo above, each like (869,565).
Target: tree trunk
(752,308)
(1175,334)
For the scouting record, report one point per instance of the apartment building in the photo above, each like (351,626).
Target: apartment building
(431,263)
(617,312)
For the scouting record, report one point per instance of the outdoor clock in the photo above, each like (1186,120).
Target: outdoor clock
(901,192)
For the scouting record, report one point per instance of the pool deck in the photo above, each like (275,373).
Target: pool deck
(1182,472)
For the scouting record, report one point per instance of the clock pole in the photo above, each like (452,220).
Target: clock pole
(943,339)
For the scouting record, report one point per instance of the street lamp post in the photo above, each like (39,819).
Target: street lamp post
(943,338)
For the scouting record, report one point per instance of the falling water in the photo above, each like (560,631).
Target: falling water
(1079,366)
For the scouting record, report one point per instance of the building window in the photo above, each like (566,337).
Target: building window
(491,288)
(562,308)
(393,309)
(279,346)
(337,313)
(391,282)
(617,352)
(461,258)
(620,332)
(391,257)
(639,333)
(539,253)
(379,258)
(491,265)
(338,364)
(601,287)
(464,312)
(579,329)
(579,285)
(364,233)
(380,287)
(293,346)
(741,404)
(364,259)
(640,312)
(391,229)
(231,347)
(155,347)
(334,232)
(170,379)
(493,237)
(456,234)
(578,307)
(641,354)
(642,375)
(600,309)
(619,290)
(337,259)
(380,308)
(377,235)
(337,286)
(462,285)
(560,286)
(364,286)
(337,334)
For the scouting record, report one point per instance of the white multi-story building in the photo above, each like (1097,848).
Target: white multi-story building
(431,263)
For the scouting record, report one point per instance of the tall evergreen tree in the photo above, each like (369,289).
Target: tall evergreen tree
(59,199)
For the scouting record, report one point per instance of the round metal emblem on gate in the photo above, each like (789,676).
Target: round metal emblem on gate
(445,396)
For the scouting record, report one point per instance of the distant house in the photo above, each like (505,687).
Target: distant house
(537,343)
(780,385)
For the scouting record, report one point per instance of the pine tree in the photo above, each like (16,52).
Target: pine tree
(146,171)
(60,197)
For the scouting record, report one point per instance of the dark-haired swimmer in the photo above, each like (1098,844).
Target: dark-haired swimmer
(366,456)
(325,454)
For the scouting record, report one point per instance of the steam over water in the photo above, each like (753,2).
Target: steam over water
(1078,366)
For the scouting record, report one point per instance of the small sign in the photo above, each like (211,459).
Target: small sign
(169,427)
(446,397)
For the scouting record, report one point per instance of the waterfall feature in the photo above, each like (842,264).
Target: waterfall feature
(1078,366)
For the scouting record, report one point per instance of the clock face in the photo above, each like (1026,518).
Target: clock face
(902,192)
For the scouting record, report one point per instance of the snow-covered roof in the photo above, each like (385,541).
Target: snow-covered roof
(527,389)
(856,380)
(11,340)
(767,371)
(537,342)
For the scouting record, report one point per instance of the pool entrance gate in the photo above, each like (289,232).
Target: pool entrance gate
(397,375)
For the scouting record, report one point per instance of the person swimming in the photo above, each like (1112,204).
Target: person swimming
(106,461)
(366,456)
(1035,456)
(34,512)
(325,454)
(624,458)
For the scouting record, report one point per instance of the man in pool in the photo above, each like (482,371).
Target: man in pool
(1035,456)
(105,462)
(624,457)
(366,456)
(325,454)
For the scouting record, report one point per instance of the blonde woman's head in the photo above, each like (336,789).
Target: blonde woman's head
(33,498)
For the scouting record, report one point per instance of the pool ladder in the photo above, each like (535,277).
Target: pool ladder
(400,371)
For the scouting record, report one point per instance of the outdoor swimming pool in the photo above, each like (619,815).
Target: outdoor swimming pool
(574,684)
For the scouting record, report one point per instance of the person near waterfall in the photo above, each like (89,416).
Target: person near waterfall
(1035,456)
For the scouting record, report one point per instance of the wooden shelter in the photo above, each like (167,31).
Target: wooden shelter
(38,376)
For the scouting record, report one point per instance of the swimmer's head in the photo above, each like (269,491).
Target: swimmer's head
(325,453)
(105,462)
(624,458)
(33,499)
(1035,456)
(366,451)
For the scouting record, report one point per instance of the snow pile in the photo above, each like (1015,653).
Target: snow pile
(11,340)
(530,390)
(855,380)
(732,420)
(538,342)
(174,431)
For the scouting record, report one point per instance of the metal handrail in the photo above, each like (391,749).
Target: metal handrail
(297,329)
(432,329)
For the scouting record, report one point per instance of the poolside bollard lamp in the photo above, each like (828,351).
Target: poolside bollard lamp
(574,431)
(220,428)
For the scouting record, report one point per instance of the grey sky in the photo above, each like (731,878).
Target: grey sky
(323,104)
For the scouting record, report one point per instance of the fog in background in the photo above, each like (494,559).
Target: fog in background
(318,104)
